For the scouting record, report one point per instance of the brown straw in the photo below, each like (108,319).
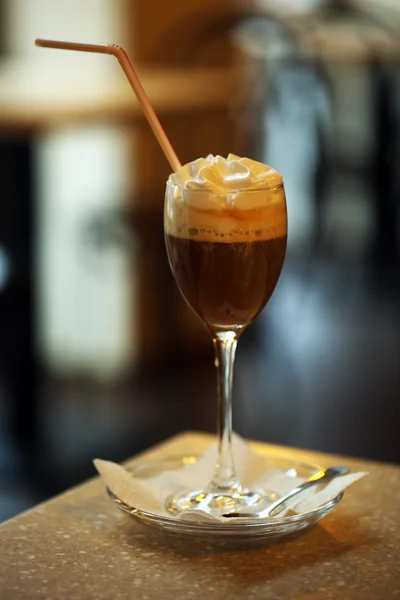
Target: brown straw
(137,87)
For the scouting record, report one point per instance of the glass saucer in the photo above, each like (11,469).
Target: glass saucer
(271,527)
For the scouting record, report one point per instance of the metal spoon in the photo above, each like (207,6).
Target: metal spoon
(320,477)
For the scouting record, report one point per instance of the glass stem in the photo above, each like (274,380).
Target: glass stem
(225,478)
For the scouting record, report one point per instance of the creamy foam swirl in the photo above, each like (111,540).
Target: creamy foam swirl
(219,174)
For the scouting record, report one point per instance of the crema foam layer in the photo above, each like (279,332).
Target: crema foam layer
(207,206)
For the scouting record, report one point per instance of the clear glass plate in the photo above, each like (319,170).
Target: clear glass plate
(271,527)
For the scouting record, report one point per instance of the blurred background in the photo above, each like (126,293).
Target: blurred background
(99,355)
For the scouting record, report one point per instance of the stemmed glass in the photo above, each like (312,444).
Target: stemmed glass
(226,251)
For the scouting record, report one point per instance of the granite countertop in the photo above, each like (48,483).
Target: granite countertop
(80,546)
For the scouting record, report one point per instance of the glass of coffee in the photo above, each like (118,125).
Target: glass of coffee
(225,227)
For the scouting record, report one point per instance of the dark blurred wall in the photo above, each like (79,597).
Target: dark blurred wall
(2,28)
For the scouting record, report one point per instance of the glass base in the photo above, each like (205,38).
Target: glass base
(217,502)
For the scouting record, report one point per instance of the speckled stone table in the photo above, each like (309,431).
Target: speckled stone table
(80,546)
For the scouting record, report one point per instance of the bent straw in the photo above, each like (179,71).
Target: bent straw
(134,80)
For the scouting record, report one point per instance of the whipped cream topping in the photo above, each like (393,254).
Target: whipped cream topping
(225,200)
(221,175)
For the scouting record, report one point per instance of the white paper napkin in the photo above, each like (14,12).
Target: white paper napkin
(253,471)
